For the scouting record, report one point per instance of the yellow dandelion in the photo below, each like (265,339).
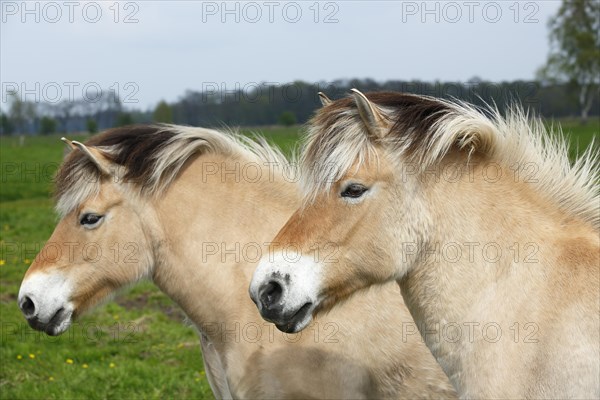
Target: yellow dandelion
(2,262)
(111,365)
(51,378)
(84,366)
(31,355)
(116,316)
(27,261)
(69,361)
(19,357)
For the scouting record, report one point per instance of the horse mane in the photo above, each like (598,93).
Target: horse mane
(423,130)
(149,157)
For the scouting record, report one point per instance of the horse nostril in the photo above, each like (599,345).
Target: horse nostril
(270,294)
(28,307)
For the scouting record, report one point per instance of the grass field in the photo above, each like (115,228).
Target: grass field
(134,347)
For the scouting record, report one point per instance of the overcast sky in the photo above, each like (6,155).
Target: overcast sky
(152,50)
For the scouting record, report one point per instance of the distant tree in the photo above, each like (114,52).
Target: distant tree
(47,125)
(287,118)
(18,112)
(91,125)
(124,118)
(64,113)
(575,50)
(163,113)
(6,126)
(107,111)
(31,113)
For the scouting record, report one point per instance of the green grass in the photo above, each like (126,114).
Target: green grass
(134,347)
(286,138)
(580,136)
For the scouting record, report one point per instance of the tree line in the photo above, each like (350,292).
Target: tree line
(289,104)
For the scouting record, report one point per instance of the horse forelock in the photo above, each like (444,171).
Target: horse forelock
(336,139)
(148,158)
(423,130)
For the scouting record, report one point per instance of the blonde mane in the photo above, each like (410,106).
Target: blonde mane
(423,130)
(149,157)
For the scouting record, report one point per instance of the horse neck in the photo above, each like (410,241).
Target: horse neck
(215,224)
(488,232)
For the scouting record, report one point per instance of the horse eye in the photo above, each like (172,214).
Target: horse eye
(354,191)
(90,220)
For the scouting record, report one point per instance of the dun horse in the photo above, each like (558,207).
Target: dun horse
(197,205)
(491,233)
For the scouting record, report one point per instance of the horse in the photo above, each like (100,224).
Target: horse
(189,209)
(489,230)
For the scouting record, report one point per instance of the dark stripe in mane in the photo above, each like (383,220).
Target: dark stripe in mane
(137,145)
(412,116)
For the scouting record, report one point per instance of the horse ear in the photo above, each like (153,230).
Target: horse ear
(370,114)
(69,143)
(324,99)
(93,154)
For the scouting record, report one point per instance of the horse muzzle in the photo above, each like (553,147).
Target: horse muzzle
(283,295)
(43,300)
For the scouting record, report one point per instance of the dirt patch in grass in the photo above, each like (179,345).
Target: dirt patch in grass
(145,301)
(8,297)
